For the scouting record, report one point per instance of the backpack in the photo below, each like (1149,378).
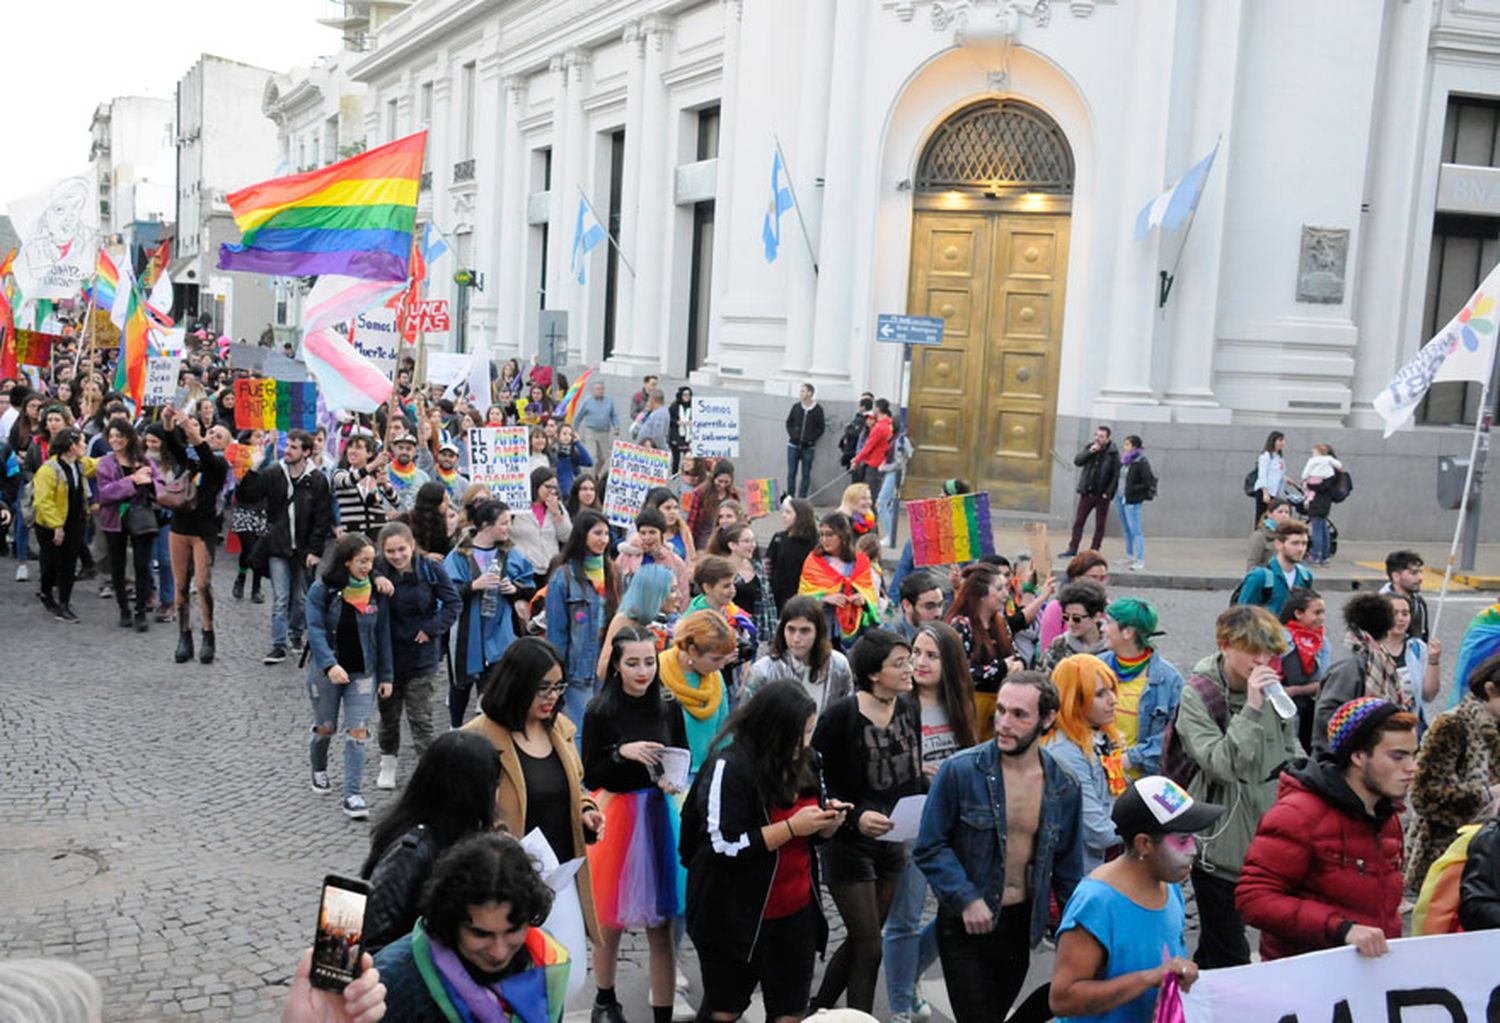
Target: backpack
(1343,486)
(28,502)
(1250,477)
(1175,762)
(1267,587)
(179,491)
(1151,480)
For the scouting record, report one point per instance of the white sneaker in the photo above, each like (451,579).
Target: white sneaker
(1139,566)
(320,783)
(923,1009)
(682,1009)
(22,573)
(355,808)
(387,779)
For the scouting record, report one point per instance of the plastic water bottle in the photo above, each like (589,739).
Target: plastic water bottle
(1277,696)
(489,601)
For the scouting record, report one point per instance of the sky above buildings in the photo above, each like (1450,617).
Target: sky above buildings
(62,61)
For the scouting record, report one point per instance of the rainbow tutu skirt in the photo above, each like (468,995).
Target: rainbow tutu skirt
(637,879)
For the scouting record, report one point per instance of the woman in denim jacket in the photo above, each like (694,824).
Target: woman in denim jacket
(582,591)
(1150,687)
(349,653)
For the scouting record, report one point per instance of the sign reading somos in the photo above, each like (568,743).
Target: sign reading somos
(716,427)
(1449,978)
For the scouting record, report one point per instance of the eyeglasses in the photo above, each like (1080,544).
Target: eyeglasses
(553,690)
(1077,619)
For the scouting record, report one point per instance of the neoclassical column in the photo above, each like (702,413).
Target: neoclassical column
(513,297)
(488,126)
(649,286)
(729,148)
(628,346)
(844,157)
(805,167)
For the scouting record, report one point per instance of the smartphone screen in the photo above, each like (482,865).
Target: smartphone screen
(339,943)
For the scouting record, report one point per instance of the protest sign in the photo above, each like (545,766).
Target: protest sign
(58,228)
(251,357)
(498,458)
(161,380)
(374,334)
(172,341)
(1041,549)
(264,404)
(431,316)
(1449,977)
(633,470)
(950,530)
(760,497)
(280,367)
(447,368)
(716,428)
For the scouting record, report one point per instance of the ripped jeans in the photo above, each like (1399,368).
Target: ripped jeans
(356,697)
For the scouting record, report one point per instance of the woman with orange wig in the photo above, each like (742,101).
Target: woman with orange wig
(1085,741)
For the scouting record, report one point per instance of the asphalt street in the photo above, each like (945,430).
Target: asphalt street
(157,827)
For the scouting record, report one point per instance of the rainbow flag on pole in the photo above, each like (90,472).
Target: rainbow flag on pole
(135,337)
(106,281)
(568,407)
(951,530)
(354,217)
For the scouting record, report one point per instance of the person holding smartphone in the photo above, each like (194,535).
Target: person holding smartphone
(634,866)
(349,636)
(748,829)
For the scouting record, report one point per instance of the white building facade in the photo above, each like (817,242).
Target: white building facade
(319,116)
(133,149)
(984,161)
(224,142)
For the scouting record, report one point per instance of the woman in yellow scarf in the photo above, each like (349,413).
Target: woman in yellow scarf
(691,668)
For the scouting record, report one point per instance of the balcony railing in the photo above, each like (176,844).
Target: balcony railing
(463,170)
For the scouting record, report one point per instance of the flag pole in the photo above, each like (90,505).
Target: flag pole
(1463,504)
(1168,277)
(796,203)
(605,224)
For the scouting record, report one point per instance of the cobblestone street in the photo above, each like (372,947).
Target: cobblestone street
(155,821)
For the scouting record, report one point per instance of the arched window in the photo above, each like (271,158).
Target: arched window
(997,146)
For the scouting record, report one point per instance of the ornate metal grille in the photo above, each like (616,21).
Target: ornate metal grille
(997,145)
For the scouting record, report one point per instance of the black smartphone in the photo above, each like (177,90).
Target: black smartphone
(340,941)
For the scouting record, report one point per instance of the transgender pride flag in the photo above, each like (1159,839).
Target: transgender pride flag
(347,379)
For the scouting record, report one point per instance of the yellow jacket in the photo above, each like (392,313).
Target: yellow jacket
(50,493)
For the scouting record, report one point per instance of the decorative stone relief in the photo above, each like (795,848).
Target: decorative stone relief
(963,16)
(1320,268)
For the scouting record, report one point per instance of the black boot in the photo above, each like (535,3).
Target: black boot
(256,597)
(206,651)
(140,621)
(239,586)
(125,618)
(184,646)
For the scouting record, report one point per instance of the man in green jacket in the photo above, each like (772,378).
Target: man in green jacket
(1239,744)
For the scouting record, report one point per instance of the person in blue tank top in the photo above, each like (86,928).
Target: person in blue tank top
(1121,933)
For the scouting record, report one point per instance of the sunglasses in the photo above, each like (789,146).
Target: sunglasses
(552,690)
(1077,619)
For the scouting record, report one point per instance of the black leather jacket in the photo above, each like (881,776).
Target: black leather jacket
(1479,894)
(396,887)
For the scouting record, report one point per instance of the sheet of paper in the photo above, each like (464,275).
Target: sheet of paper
(675,763)
(561,876)
(906,818)
(538,848)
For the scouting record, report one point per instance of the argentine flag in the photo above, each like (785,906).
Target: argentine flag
(1172,208)
(781,201)
(586,235)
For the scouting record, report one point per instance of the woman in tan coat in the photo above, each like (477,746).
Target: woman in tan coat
(541,777)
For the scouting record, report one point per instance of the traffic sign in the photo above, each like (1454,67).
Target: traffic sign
(900,329)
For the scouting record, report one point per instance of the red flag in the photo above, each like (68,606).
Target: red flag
(8,362)
(408,301)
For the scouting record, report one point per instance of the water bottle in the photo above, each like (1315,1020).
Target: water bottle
(1277,696)
(489,601)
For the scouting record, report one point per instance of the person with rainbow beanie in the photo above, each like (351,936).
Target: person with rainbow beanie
(478,952)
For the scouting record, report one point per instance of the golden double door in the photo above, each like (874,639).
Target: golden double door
(983,404)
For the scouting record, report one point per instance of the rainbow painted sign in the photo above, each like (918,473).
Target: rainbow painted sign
(264,404)
(950,530)
(760,497)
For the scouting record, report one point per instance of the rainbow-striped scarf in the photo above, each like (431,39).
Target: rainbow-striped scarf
(357,593)
(1129,668)
(451,479)
(593,570)
(535,995)
(403,478)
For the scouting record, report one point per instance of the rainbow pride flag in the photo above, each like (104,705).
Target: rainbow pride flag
(135,341)
(568,407)
(760,497)
(951,530)
(106,281)
(264,404)
(354,217)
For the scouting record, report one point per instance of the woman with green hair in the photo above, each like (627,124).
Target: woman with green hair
(1150,686)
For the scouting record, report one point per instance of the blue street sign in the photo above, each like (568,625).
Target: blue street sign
(900,329)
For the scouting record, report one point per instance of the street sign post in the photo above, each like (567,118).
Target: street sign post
(900,329)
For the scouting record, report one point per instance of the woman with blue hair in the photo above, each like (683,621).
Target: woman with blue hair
(649,601)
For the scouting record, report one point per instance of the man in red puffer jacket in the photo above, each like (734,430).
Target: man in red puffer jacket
(1325,867)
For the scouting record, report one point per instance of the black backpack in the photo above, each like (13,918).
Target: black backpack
(1250,477)
(1343,486)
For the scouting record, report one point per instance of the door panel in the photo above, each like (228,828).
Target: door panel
(983,405)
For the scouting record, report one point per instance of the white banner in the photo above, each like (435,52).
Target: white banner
(447,368)
(161,380)
(375,335)
(498,459)
(59,231)
(716,427)
(1463,350)
(1450,978)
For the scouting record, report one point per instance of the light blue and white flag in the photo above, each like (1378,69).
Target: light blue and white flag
(1171,209)
(781,201)
(433,246)
(586,235)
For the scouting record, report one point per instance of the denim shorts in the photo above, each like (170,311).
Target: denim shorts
(851,860)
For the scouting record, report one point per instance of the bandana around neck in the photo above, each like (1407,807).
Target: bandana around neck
(357,594)
(593,568)
(403,477)
(1129,668)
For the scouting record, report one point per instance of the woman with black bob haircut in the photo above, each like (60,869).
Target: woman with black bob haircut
(429,521)
(479,944)
(747,834)
(541,775)
(450,795)
(634,865)
(871,744)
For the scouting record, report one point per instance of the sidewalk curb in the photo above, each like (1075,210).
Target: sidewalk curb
(1338,581)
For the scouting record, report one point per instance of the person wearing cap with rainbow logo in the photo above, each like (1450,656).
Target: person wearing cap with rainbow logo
(1121,918)
(1324,868)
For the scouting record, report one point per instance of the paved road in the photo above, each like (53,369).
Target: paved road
(156,824)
